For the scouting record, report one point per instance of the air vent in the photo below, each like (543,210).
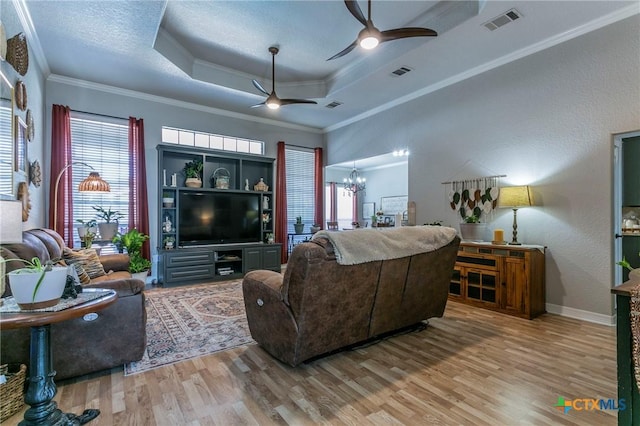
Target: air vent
(333,104)
(401,71)
(505,18)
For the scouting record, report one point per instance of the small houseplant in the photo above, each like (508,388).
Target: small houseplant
(634,273)
(87,226)
(299,226)
(37,285)
(132,241)
(109,225)
(193,173)
(168,242)
(472,229)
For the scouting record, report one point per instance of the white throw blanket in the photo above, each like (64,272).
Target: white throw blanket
(368,245)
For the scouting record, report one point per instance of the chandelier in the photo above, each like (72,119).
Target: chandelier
(354,182)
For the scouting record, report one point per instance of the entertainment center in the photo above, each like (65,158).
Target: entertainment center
(222,229)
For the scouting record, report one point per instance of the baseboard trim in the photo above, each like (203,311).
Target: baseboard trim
(565,311)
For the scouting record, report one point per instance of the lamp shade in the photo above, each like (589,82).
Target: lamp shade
(94,183)
(10,222)
(515,197)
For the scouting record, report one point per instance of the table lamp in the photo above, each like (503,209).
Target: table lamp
(515,197)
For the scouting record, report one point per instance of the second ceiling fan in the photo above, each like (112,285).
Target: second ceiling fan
(370,36)
(273,101)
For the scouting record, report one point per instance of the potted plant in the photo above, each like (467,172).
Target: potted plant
(88,238)
(168,242)
(298,226)
(634,273)
(315,228)
(87,226)
(193,172)
(472,229)
(132,241)
(167,200)
(37,285)
(109,225)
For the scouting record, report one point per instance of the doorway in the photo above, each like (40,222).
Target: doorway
(626,208)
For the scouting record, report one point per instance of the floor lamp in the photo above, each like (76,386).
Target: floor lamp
(92,183)
(515,197)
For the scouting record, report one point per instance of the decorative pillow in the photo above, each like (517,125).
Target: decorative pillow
(88,260)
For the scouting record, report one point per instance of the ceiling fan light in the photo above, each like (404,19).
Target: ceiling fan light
(273,105)
(369,42)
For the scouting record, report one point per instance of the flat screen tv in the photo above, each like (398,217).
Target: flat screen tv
(208,218)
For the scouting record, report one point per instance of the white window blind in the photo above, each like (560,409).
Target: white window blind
(6,151)
(300,193)
(103,145)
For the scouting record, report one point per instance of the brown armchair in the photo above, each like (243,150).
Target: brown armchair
(81,346)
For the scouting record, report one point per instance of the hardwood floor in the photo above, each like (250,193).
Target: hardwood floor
(471,367)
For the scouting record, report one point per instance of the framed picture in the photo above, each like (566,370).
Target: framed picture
(368,210)
(20,146)
(393,205)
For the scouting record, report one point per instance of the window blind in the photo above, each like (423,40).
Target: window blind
(300,191)
(105,147)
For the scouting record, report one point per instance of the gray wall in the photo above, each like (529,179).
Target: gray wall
(545,120)
(158,112)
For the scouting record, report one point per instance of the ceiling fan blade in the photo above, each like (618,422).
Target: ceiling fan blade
(345,51)
(398,33)
(258,105)
(259,87)
(296,101)
(355,10)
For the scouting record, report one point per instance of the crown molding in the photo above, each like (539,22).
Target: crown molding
(35,47)
(173,102)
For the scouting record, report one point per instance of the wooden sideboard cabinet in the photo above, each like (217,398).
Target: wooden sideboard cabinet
(508,279)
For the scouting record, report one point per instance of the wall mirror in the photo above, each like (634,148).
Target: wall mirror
(6,138)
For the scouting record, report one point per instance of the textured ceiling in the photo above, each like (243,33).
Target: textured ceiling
(207,52)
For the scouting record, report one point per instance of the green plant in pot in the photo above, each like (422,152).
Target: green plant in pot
(132,241)
(634,273)
(299,226)
(109,225)
(472,229)
(193,173)
(87,226)
(37,285)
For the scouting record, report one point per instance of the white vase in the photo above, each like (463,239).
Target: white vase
(634,275)
(142,276)
(167,202)
(193,182)
(23,283)
(473,231)
(108,230)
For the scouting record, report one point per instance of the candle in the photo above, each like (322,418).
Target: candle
(498,235)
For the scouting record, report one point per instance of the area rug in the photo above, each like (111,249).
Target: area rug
(192,321)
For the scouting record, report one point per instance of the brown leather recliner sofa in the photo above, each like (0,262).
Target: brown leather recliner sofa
(115,337)
(319,305)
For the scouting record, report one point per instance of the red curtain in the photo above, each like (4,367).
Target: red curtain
(138,204)
(281,202)
(60,158)
(318,168)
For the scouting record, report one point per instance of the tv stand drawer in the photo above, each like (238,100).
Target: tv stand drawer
(181,258)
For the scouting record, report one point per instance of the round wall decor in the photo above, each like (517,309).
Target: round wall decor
(35,174)
(30,128)
(23,195)
(18,53)
(21,95)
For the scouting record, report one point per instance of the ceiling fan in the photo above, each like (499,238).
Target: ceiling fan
(273,101)
(370,36)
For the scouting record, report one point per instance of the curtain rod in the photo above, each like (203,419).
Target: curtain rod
(478,178)
(300,146)
(100,115)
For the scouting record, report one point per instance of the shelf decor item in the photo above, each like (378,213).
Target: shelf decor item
(221,178)
(261,186)
(193,173)
(18,53)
